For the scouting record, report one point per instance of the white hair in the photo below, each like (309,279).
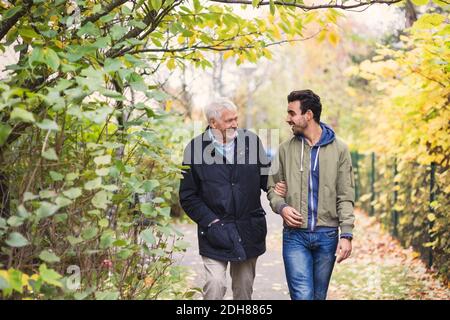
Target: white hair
(212,110)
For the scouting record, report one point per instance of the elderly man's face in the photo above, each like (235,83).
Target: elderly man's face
(226,125)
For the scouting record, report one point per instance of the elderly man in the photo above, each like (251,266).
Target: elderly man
(220,191)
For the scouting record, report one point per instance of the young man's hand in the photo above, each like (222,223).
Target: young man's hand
(292,217)
(344,250)
(281,189)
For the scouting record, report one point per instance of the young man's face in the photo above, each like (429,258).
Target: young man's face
(298,121)
(226,125)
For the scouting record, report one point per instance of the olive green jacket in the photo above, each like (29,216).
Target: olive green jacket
(336,182)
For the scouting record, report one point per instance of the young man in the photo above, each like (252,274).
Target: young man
(221,192)
(317,170)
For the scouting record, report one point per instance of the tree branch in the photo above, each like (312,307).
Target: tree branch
(312,7)
(218,47)
(7,24)
(106,10)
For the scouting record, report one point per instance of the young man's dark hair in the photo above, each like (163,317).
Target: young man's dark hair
(308,101)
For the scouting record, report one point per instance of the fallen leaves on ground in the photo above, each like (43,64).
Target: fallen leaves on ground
(380,268)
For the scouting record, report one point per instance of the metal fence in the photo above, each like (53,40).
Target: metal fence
(371,184)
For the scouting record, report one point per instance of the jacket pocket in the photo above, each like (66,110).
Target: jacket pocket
(258,225)
(352,177)
(218,236)
(330,202)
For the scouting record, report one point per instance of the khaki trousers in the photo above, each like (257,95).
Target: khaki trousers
(242,278)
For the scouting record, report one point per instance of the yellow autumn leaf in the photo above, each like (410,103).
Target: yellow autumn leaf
(59,44)
(447,189)
(149,281)
(171,64)
(4,274)
(333,38)
(169,104)
(192,40)
(228,54)
(276,33)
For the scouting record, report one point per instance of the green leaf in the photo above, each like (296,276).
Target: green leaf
(103,223)
(90,233)
(420,2)
(15,280)
(112,65)
(56,176)
(93,184)
(117,32)
(110,187)
(149,185)
(46,210)
(156,4)
(2,223)
(46,194)
(106,240)
(22,115)
(5,130)
(15,221)
(72,176)
(28,32)
(48,256)
(11,12)
(48,124)
(164,211)
(106,159)
(50,154)
(148,237)
(61,217)
(100,200)
(197,6)
(137,82)
(119,243)
(16,240)
(37,56)
(89,29)
(23,213)
(72,193)
(50,276)
(102,172)
(124,254)
(51,58)
(148,210)
(255,3)
(27,196)
(107,295)
(74,241)
(4,284)
(272,7)
(63,201)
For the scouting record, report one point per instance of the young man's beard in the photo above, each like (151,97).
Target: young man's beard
(297,128)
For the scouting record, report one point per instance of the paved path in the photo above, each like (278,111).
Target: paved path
(379,267)
(270,281)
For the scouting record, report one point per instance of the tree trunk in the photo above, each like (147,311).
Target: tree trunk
(410,14)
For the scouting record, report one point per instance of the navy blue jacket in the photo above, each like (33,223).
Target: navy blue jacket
(213,189)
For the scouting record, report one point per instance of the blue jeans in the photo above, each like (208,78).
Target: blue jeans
(308,261)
